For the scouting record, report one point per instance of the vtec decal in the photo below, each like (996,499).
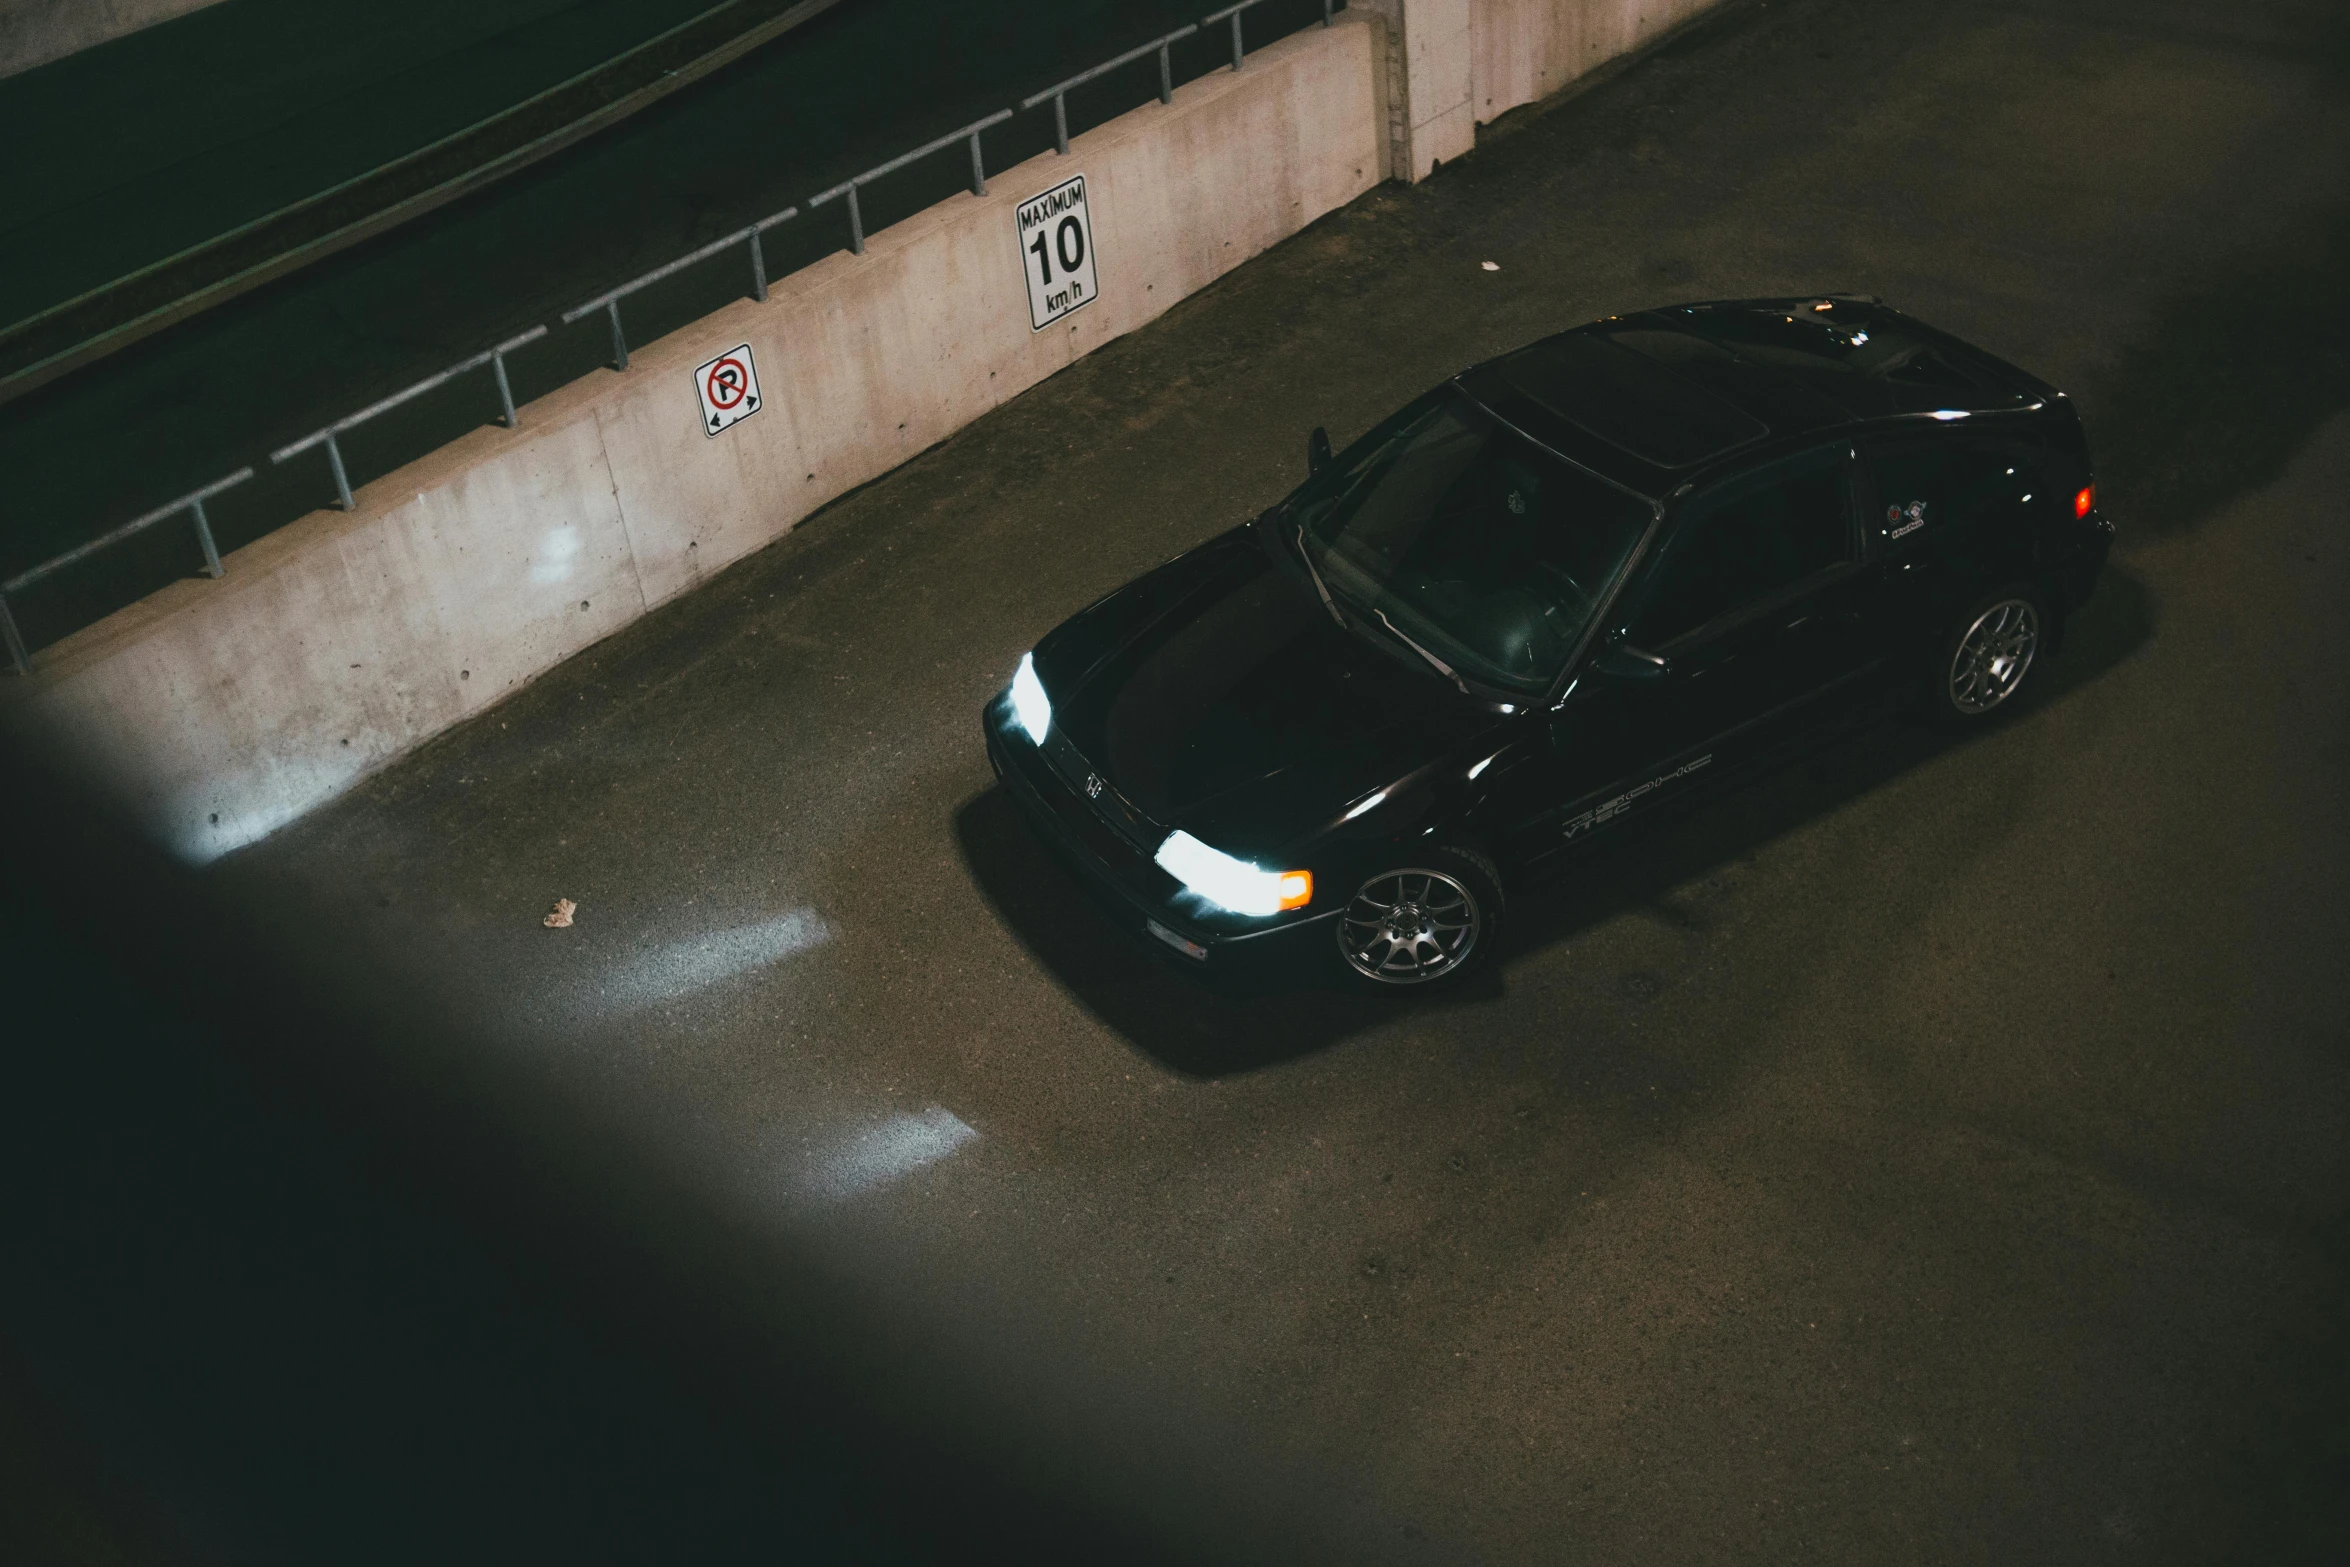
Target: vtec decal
(1608,811)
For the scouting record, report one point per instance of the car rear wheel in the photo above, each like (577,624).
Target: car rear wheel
(1988,657)
(1424,922)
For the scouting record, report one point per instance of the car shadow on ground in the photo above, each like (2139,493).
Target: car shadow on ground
(1205,1023)
(2229,378)
(1201,1023)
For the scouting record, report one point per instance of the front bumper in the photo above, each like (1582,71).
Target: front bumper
(1110,853)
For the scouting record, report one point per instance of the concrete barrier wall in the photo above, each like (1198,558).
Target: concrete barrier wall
(34,32)
(1521,50)
(1431,119)
(220,710)
(1453,65)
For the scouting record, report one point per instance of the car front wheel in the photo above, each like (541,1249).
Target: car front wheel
(1423,922)
(1987,658)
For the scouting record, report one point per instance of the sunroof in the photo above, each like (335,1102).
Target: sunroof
(1628,401)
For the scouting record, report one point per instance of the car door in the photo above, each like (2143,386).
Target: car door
(1749,612)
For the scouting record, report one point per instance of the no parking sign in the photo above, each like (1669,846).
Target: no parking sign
(728,387)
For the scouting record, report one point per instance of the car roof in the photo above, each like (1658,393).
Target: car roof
(1651,398)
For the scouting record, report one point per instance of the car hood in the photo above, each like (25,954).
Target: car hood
(1218,695)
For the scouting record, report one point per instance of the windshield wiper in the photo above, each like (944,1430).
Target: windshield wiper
(1439,664)
(1320,586)
(1330,603)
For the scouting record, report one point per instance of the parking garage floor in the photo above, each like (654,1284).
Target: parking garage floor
(1922,1153)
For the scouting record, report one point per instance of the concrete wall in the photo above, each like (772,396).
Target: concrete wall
(34,32)
(220,710)
(1431,116)
(1521,50)
(1453,65)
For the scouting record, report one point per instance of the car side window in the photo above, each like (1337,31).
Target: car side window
(1939,483)
(1749,540)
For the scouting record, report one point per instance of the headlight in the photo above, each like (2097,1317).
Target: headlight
(1029,703)
(1231,883)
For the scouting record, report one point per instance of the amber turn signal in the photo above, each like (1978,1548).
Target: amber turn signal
(1297,889)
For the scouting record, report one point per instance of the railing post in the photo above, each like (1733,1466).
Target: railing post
(1061,123)
(1166,75)
(212,566)
(1328,6)
(758,267)
(509,418)
(856,223)
(1236,40)
(619,337)
(978,168)
(334,459)
(23,660)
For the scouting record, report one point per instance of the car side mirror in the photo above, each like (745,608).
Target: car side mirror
(1317,451)
(1623,661)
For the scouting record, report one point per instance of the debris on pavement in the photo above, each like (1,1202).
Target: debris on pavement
(559,917)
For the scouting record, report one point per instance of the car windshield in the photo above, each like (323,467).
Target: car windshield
(1464,538)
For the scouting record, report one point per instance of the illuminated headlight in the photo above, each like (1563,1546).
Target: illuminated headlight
(1230,883)
(1029,703)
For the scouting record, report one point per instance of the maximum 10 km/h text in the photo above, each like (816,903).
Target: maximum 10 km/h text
(1056,244)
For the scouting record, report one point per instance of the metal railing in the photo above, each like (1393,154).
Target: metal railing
(1231,13)
(192,503)
(849,187)
(609,302)
(495,358)
(1060,94)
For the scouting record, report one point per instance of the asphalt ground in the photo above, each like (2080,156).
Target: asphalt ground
(1919,1153)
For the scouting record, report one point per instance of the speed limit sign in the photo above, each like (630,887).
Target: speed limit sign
(728,387)
(1056,248)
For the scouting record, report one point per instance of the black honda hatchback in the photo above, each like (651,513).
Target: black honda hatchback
(1568,583)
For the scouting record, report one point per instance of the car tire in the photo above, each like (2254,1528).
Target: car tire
(1985,664)
(1421,923)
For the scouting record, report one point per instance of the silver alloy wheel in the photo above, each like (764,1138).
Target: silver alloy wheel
(1994,656)
(1407,927)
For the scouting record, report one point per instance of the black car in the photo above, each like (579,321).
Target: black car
(1568,583)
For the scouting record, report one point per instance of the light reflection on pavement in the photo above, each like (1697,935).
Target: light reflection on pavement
(695,963)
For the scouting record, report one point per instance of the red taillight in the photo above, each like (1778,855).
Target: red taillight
(2086,499)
